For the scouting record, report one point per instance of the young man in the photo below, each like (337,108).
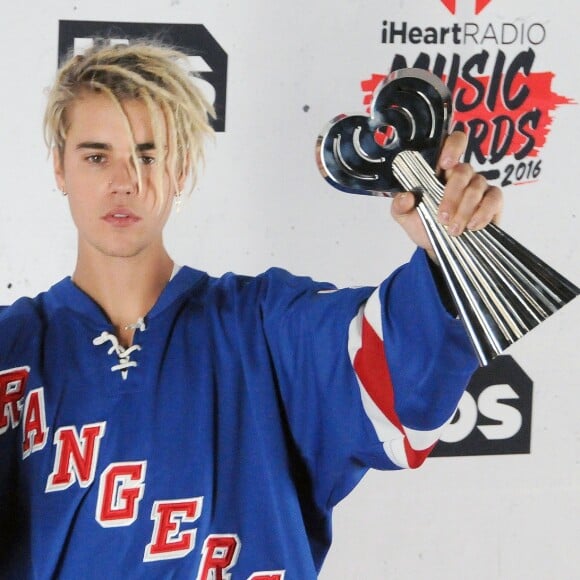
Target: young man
(156,422)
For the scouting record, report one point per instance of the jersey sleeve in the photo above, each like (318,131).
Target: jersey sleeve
(368,376)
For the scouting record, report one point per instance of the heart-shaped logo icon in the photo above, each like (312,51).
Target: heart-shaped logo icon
(410,110)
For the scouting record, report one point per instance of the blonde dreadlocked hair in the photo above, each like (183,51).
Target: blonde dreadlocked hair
(157,76)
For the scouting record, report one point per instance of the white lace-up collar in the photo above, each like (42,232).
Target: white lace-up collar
(124,354)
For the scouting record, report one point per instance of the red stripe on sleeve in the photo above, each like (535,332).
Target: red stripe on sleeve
(414,457)
(370,364)
(371,367)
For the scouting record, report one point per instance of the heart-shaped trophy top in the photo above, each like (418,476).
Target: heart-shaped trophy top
(410,110)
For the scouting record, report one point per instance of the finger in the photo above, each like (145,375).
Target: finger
(479,204)
(458,180)
(470,202)
(453,148)
(489,210)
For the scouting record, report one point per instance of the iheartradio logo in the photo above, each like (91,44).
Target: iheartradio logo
(451,5)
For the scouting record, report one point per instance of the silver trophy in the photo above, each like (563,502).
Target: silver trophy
(500,288)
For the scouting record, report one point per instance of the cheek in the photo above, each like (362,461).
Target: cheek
(81,182)
(79,208)
(161,198)
(166,210)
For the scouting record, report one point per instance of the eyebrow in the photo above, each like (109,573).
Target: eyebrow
(148,146)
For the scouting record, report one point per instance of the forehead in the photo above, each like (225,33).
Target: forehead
(96,116)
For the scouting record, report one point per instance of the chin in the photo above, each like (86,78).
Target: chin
(121,251)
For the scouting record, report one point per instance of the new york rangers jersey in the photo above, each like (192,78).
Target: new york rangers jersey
(216,445)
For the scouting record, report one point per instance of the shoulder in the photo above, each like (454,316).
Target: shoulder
(23,310)
(273,285)
(20,325)
(273,278)
(28,313)
(234,294)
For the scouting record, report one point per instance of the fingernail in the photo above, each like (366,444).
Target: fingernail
(472,225)
(444,218)
(447,162)
(454,229)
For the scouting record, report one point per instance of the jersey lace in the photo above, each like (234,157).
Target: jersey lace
(123,354)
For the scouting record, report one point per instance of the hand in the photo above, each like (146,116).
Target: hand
(468,200)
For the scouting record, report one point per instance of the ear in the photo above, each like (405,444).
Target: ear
(181,182)
(58,167)
(183,174)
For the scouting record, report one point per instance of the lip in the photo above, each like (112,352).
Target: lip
(121,217)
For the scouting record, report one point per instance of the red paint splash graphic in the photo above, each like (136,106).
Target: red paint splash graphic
(493,124)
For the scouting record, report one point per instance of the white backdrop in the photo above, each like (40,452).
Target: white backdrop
(261,202)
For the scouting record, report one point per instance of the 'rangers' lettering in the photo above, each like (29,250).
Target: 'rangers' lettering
(76,457)
(167,540)
(220,553)
(121,488)
(34,431)
(12,387)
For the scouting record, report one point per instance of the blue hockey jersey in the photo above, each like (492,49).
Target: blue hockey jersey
(217,444)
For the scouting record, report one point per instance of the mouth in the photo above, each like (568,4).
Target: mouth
(121,218)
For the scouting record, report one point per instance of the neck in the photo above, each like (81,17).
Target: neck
(125,288)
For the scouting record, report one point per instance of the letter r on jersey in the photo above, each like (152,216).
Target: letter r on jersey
(12,389)
(220,553)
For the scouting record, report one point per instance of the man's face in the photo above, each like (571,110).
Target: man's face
(113,215)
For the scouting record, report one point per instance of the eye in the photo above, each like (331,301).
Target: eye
(147,160)
(96,158)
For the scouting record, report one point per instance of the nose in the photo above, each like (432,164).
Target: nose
(123,179)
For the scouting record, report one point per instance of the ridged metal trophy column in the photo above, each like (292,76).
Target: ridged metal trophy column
(500,288)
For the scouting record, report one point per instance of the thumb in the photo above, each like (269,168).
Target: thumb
(403,204)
